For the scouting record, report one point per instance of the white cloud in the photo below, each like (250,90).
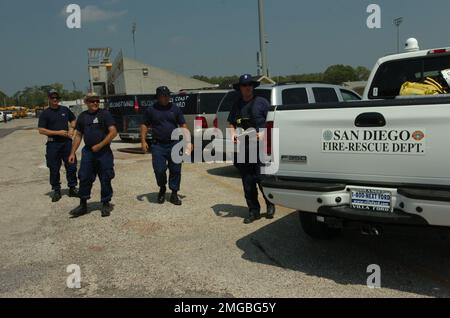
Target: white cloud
(112,28)
(92,13)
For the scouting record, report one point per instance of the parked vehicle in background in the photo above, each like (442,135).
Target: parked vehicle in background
(127,111)
(9,116)
(199,107)
(370,164)
(281,94)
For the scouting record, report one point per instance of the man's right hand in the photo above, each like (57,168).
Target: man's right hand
(145,147)
(63,133)
(72,158)
(235,139)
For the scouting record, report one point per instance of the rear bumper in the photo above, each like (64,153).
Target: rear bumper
(333,199)
(133,136)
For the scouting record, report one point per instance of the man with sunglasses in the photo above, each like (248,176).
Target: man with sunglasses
(57,123)
(97,127)
(250,112)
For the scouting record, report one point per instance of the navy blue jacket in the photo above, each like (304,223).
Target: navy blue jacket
(256,110)
(94,126)
(56,119)
(163,120)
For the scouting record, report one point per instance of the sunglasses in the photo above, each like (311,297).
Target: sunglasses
(54,97)
(246,85)
(94,101)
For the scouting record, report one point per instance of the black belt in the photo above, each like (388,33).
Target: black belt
(52,139)
(156,142)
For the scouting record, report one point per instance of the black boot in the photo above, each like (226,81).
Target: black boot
(106,209)
(162,196)
(73,193)
(174,199)
(270,211)
(56,196)
(81,210)
(252,218)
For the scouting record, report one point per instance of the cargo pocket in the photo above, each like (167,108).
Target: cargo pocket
(107,175)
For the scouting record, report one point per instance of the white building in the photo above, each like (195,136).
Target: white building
(131,77)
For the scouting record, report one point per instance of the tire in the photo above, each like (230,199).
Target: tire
(127,140)
(316,229)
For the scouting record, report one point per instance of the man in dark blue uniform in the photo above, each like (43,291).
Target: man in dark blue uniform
(97,126)
(164,117)
(57,123)
(250,112)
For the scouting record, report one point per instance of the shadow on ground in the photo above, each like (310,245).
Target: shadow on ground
(94,207)
(227,171)
(64,193)
(153,197)
(230,211)
(5,130)
(411,260)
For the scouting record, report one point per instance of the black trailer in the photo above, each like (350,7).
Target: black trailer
(128,111)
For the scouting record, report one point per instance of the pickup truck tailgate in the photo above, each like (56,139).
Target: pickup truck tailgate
(394,142)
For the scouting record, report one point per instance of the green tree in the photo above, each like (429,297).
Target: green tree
(338,74)
(37,95)
(222,81)
(362,73)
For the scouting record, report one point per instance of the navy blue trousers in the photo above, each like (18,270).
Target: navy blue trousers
(251,180)
(56,154)
(162,159)
(99,164)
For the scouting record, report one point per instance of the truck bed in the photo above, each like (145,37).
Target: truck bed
(407,139)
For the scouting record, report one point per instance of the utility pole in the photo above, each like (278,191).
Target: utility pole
(258,63)
(397,23)
(262,39)
(133,30)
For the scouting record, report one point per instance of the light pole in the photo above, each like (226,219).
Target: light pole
(397,23)
(133,30)
(262,39)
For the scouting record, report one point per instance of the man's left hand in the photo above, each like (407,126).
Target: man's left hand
(260,136)
(97,148)
(189,149)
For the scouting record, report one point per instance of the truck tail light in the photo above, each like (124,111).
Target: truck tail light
(439,51)
(269,127)
(204,123)
(216,122)
(136,106)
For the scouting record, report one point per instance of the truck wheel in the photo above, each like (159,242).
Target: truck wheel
(316,229)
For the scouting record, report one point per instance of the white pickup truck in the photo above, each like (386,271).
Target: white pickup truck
(381,161)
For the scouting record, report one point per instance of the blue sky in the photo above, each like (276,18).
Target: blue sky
(208,37)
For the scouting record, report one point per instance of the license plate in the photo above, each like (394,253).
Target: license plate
(372,200)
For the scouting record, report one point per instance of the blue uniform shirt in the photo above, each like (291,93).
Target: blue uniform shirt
(94,126)
(163,120)
(56,119)
(256,110)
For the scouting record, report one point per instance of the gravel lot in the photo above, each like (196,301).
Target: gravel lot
(201,249)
